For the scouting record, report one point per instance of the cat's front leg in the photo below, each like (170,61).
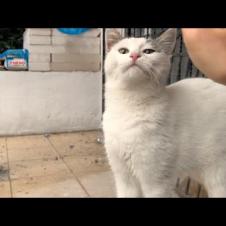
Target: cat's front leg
(152,188)
(156,178)
(160,192)
(126,184)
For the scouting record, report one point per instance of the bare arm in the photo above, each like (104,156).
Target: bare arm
(207,50)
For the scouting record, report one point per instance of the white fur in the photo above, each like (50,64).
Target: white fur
(154,133)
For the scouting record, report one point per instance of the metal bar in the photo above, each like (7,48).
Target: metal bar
(199,190)
(188,186)
(103,73)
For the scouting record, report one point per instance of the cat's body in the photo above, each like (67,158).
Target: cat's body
(154,133)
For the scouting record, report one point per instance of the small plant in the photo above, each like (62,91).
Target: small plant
(11,38)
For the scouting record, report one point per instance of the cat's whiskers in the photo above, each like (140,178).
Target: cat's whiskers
(152,73)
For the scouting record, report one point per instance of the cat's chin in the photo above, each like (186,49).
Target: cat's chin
(134,68)
(134,76)
(138,71)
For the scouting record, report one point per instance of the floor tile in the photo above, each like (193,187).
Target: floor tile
(34,168)
(87,165)
(5,189)
(44,152)
(25,142)
(3,151)
(78,144)
(100,184)
(57,185)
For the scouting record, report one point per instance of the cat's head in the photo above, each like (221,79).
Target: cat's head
(134,60)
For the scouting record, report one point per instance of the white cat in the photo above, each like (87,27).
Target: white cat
(153,132)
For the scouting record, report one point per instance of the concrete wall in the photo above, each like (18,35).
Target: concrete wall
(48,102)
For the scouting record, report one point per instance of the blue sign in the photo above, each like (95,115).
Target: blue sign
(73,31)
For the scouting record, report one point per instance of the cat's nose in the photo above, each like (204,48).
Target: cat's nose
(134,56)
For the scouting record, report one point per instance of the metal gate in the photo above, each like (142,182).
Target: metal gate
(182,68)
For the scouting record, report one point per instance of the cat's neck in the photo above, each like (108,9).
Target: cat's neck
(133,94)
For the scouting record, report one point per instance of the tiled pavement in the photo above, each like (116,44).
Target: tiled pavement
(55,165)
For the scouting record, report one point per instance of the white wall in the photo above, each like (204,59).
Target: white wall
(48,102)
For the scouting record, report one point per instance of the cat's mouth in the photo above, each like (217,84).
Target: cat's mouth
(135,65)
(138,69)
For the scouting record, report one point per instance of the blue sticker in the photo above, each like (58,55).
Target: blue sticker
(73,31)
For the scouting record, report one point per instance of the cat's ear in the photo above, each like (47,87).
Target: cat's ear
(167,40)
(113,36)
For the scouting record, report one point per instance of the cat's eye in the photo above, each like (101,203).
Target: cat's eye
(148,51)
(123,50)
